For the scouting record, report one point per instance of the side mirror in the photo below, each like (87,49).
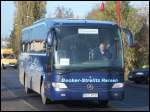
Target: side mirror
(49,40)
(129,37)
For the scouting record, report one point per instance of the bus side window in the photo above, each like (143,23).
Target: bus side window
(37,46)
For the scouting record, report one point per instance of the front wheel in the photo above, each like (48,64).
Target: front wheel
(15,67)
(103,102)
(44,98)
(137,82)
(147,80)
(3,67)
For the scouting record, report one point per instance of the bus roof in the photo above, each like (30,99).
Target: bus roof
(74,21)
(82,22)
(39,30)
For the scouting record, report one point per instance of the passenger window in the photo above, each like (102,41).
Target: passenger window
(38,46)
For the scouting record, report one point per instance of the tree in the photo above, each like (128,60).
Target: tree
(69,13)
(12,38)
(129,19)
(39,9)
(61,12)
(26,13)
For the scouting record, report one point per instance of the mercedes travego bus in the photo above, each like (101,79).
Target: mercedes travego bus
(66,59)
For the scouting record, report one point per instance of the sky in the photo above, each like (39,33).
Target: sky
(80,8)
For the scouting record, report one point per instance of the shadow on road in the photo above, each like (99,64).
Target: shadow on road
(82,104)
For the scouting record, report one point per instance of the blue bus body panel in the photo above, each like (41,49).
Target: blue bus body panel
(40,61)
(35,70)
(77,82)
(77,85)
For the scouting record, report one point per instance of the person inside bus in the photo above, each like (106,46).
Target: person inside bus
(104,51)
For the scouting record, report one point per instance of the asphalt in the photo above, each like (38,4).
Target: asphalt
(13,97)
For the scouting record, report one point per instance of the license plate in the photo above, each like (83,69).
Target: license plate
(90,95)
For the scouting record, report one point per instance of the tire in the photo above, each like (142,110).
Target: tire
(103,102)
(43,97)
(15,67)
(147,80)
(27,90)
(137,82)
(3,67)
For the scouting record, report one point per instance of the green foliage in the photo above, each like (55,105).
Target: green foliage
(134,22)
(62,12)
(12,36)
(26,13)
(39,9)
(109,13)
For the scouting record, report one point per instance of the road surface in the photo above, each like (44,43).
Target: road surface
(13,97)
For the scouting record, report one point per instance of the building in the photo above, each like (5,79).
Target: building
(4,42)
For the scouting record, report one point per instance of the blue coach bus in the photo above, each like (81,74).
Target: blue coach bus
(66,59)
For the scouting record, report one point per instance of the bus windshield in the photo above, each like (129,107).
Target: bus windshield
(88,48)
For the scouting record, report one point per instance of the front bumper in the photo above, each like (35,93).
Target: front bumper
(113,94)
(10,65)
(137,78)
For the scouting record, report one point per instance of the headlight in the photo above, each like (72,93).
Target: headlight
(6,62)
(139,73)
(118,85)
(59,85)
